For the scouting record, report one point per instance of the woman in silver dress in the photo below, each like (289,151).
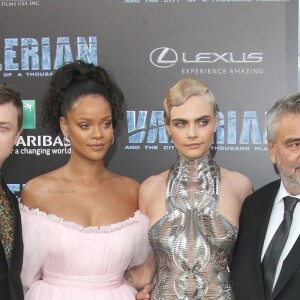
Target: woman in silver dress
(194,206)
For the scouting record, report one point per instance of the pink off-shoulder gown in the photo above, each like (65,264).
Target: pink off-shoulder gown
(66,261)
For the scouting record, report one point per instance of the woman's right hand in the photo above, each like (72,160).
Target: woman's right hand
(144,294)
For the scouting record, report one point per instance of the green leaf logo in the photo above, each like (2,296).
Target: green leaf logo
(29,115)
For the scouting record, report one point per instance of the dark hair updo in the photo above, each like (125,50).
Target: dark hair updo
(78,79)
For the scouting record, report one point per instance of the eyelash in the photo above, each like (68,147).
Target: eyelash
(203,122)
(3,127)
(84,126)
(200,123)
(295,145)
(106,124)
(179,124)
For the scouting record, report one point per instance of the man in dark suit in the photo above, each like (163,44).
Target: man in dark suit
(266,262)
(11,245)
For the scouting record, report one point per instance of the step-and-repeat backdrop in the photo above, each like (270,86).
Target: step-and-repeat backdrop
(246,51)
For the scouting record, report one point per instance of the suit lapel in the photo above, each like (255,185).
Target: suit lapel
(2,252)
(267,201)
(2,255)
(16,247)
(265,207)
(14,203)
(290,264)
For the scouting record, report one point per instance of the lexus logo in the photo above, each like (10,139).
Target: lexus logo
(163,57)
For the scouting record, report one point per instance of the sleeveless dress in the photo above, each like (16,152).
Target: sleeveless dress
(193,242)
(66,261)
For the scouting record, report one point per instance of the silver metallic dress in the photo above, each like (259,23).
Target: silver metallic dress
(193,242)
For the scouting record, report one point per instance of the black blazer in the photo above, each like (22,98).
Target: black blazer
(246,265)
(10,281)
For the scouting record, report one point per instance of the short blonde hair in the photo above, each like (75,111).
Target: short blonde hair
(184,89)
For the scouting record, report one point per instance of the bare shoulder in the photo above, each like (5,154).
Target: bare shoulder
(154,181)
(125,188)
(152,188)
(128,183)
(35,190)
(237,182)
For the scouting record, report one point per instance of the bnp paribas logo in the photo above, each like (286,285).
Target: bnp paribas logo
(29,115)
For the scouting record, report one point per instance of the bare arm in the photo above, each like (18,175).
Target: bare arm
(142,275)
(152,204)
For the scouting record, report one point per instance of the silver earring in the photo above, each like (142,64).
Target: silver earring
(113,139)
(67,142)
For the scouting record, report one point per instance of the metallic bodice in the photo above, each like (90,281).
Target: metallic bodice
(193,242)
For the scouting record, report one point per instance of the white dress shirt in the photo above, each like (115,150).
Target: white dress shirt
(275,220)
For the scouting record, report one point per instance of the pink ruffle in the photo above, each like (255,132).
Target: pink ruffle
(75,226)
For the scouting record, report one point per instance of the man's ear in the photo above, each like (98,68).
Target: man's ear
(18,135)
(272,151)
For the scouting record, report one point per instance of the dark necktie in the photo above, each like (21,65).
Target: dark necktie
(277,243)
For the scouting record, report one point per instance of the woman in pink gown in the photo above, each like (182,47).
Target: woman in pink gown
(81,225)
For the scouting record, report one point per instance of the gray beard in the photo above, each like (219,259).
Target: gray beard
(291,184)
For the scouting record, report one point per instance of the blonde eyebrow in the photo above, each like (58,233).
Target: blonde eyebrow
(200,118)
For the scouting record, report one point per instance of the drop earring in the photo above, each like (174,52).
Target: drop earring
(67,142)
